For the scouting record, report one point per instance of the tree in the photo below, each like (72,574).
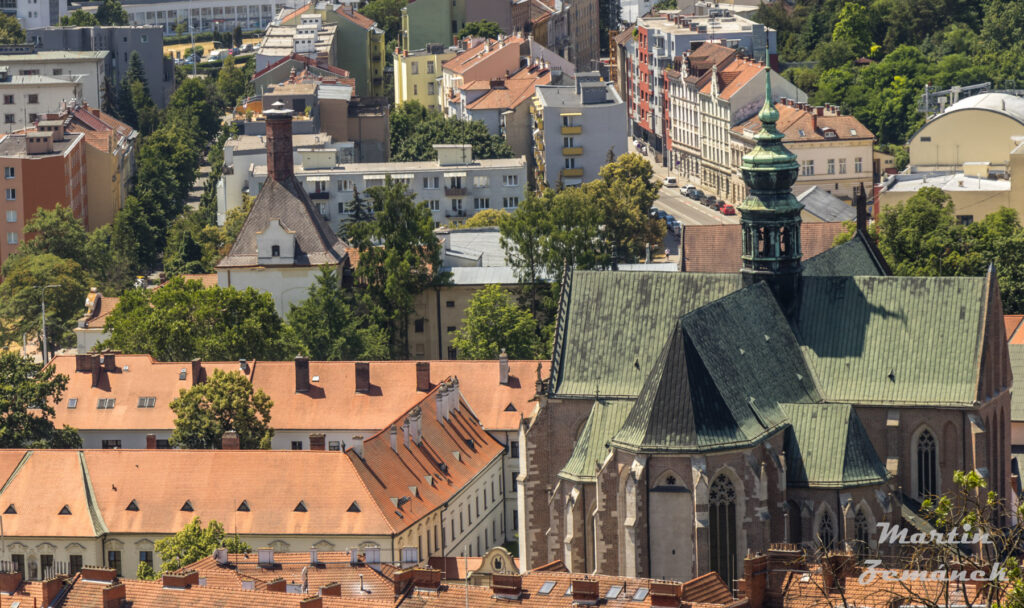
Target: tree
(183,320)
(224,402)
(11,31)
(358,213)
(193,246)
(328,328)
(236,36)
(853,28)
(230,81)
(193,543)
(399,257)
(486,218)
(494,323)
(110,12)
(135,236)
(20,298)
(482,29)
(56,231)
(236,219)
(28,393)
(415,129)
(195,99)
(79,18)
(387,14)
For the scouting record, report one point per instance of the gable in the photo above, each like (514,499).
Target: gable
(856,257)
(827,446)
(591,447)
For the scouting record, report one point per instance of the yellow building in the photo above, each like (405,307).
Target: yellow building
(109,160)
(980,128)
(418,74)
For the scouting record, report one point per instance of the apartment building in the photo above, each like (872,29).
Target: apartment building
(206,15)
(309,37)
(86,69)
(26,98)
(41,168)
(834,149)
(584,48)
(121,42)
(35,13)
(418,74)
(439,21)
(547,22)
(577,127)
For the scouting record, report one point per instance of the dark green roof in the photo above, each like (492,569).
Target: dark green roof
(612,325)
(591,447)
(719,380)
(1017,366)
(893,340)
(827,446)
(853,258)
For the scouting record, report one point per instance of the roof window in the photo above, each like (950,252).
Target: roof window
(132,506)
(546,588)
(147,401)
(72,403)
(354,508)
(301,507)
(640,595)
(244,507)
(613,593)
(65,511)
(187,506)
(105,404)
(10,510)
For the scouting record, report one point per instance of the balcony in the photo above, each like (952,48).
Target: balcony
(454,191)
(578,172)
(572,130)
(455,213)
(319,195)
(577,151)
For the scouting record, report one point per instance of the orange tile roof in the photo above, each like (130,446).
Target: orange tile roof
(208,280)
(297,12)
(37,504)
(1012,322)
(478,53)
(99,318)
(716,248)
(357,18)
(27,594)
(332,404)
(806,590)
(331,567)
(734,77)
(457,568)
(515,90)
(799,125)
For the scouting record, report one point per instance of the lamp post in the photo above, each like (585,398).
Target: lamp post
(43,301)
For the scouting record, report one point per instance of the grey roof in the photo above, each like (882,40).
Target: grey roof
(288,202)
(826,207)
(856,257)
(476,242)
(485,275)
(827,446)
(565,96)
(53,56)
(591,447)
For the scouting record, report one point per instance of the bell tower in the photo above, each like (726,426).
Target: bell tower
(770,215)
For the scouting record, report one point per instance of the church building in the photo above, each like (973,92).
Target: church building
(692,418)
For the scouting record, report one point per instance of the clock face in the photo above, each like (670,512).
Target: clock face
(498,563)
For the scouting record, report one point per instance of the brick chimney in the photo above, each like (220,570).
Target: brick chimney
(312,602)
(331,590)
(181,580)
(150,441)
(230,441)
(83,363)
(278,584)
(301,374)
(503,367)
(507,586)
(317,442)
(51,589)
(98,574)
(754,583)
(280,166)
(96,370)
(585,592)
(362,377)
(423,376)
(9,582)
(665,594)
(197,371)
(114,595)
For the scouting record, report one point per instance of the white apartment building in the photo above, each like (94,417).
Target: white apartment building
(85,69)
(36,13)
(23,99)
(455,186)
(311,37)
(207,15)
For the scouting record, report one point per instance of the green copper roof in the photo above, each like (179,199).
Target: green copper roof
(1017,366)
(606,417)
(893,340)
(827,446)
(718,382)
(852,258)
(612,326)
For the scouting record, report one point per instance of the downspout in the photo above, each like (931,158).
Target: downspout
(586,554)
(437,292)
(647,514)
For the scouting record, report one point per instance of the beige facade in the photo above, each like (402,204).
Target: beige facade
(981,128)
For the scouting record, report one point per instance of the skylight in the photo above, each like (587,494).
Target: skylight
(132,506)
(72,403)
(613,592)
(546,588)
(640,595)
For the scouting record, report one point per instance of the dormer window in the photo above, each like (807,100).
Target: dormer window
(275,251)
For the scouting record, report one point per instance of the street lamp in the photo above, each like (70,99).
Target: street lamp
(43,299)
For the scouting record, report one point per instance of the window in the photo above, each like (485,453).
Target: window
(461,522)
(334,446)
(12,238)
(515,519)
(567,121)
(147,401)
(570,162)
(481,203)
(430,87)
(826,530)
(344,185)
(18,561)
(862,533)
(515,481)
(831,166)
(10,194)
(481,181)
(430,67)
(431,183)
(414,67)
(926,138)
(144,39)
(842,166)
(722,499)
(163,444)
(510,180)
(418,325)
(72,403)
(8,99)
(449,303)
(415,89)
(111,444)
(105,404)
(456,204)
(926,482)
(46,565)
(275,251)
(435,205)
(510,202)
(12,216)
(513,449)
(568,142)
(451,329)
(32,117)
(8,172)
(146,557)
(9,119)
(57,71)
(807,167)
(858,165)
(74,564)
(296,445)
(33,98)
(965,220)
(114,561)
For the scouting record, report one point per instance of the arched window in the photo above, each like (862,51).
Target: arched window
(862,533)
(926,482)
(826,530)
(722,500)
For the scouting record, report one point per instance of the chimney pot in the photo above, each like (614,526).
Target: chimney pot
(393,432)
(423,376)
(301,374)
(362,377)
(230,441)
(150,441)
(317,442)
(503,367)
(221,555)
(357,445)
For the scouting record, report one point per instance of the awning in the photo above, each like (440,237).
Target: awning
(318,178)
(402,176)
(373,177)
(459,174)
(571,114)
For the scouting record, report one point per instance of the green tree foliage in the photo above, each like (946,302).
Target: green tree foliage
(79,18)
(399,257)
(230,81)
(194,542)
(197,100)
(236,36)
(11,31)
(665,5)
(415,129)
(328,328)
(853,27)
(359,213)
(485,218)
(226,401)
(193,246)
(387,14)
(182,321)
(28,392)
(483,29)
(110,12)
(495,322)
(20,298)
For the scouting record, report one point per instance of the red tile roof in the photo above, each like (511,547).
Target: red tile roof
(480,53)
(716,248)
(208,280)
(41,486)
(733,77)
(357,18)
(799,124)
(330,567)
(516,90)
(1012,322)
(296,13)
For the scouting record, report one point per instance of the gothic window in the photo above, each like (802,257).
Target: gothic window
(629,550)
(722,501)
(826,530)
(862,533)
(926,482)
(783,240)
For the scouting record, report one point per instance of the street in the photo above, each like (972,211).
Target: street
(688,211)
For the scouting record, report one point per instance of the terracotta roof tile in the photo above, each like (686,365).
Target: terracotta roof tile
(716,248)
(479,53)
(357,18)
(30,507)
(798,125)
(331,567)
(208,280)
(734,77)
(1012,322)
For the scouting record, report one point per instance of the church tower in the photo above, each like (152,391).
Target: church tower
(770,215)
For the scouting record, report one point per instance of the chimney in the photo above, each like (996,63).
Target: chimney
(150,441)
(83,363)
(114,595)
(109,362)
(301,374)
(181,580)
(220,554)
(585,592)
(51,589)
(317,442)
(314,601)
(280,165)
(814,122)
(454,395)
(230,441)
(9,582)
(265,557)
(664,595)
(314,556)
(104,575)
(423,376)
(416,425)
(405,433)
(393,432)
(357,445)
(331,590)
(507,586)
(754,583)
(860,200)
(197,371)
(278,584)
(439,403)
(503,368)
(362,377)
(96,370)
(243,366)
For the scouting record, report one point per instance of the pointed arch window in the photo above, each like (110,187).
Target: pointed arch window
(826,530)
(926,464)
(862,533)
(722,502)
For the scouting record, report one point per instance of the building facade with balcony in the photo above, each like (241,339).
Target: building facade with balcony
(576,128)
(418,74)
(207,15)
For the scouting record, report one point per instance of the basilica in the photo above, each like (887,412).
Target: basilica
(692,418)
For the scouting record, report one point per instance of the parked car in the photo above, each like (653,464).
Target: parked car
(671,182)
(711,202)
(727,209)
(247,48)
(687,190)
(697,195)
(673,225)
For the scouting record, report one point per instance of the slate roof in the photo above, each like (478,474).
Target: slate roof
(712,389)
(825,206)
(856,257)
(287,201)
(1017,398)
(827,447)
(591,448)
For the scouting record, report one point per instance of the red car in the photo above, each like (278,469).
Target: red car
(727,209)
